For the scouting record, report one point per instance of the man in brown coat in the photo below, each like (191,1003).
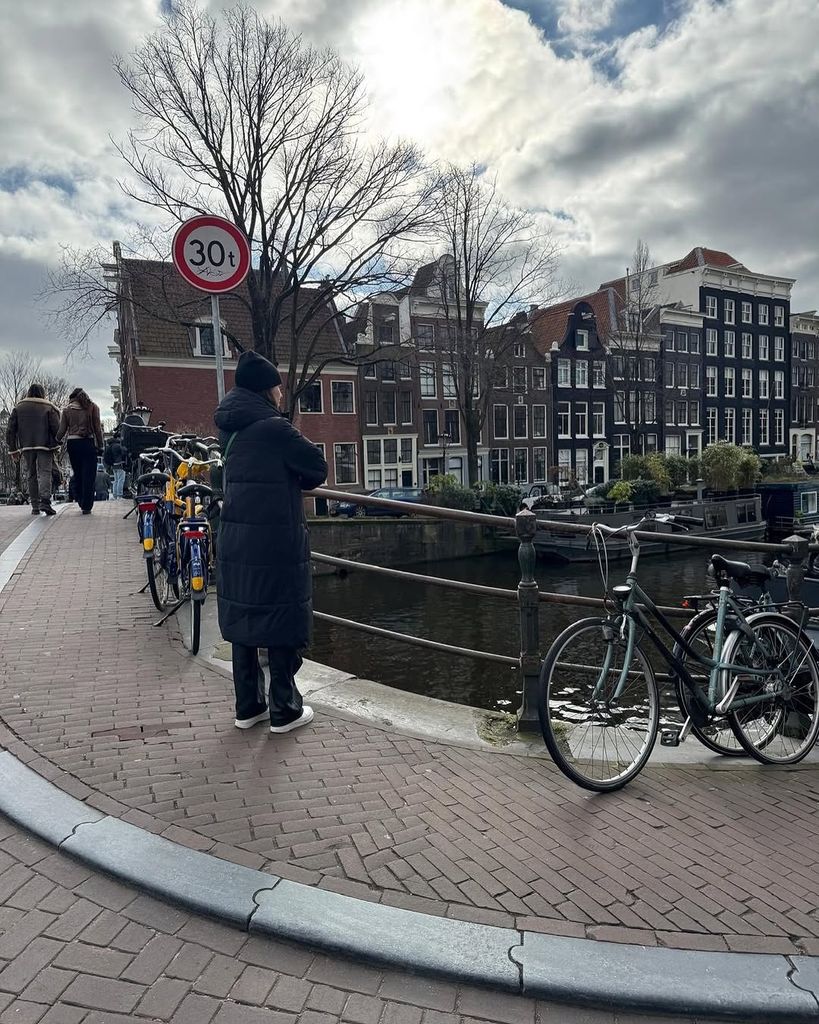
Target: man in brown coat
(32,435)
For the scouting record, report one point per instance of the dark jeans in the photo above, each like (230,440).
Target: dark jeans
(284,700)
(82,451)
(39,465)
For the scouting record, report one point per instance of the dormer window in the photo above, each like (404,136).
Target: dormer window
(203,340)
(582,338)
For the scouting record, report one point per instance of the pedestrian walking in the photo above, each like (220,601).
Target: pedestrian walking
(81,428)
(32,435)
(114,459)
(265,586)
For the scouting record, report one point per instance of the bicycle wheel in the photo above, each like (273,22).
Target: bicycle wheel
(599,741)
(157,583)
(699,633)
(195,626)
(781,725)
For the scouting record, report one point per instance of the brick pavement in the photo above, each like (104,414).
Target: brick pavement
(78,948)
(685,857)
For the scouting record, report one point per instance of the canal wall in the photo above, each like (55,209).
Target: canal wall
(394,542)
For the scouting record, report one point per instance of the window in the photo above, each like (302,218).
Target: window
(520,421)
(391,450)
(342,392)
(730,382)
(373,452)
(538,421)
(539,464)
(499,465)
(669,412)
(779,316)
(425,333)
(520,350)
(388,371)
(747,426)
(669,375)
(370,371)
(521,465)
(711,421)
(373,479)
(649,368)
(582,340)
(564,464)
(564,373)
(711,306)
(779,348)
(598,374)
(619,407)
(204,344)
(694,414)
(779,427)
(581,419)
(581,466)
(682,341)
(599,419)
(682,375)
(650,407)
(747,383)
(694,342)
(385,334)
(682,413)
(694,375)
(764,313)
(779,384)
(427,377)
(448,390)
(763,427)
(563,417)
(310,398)
(809,504)
(501,421)
(390,477)
(622,446)
(519,380)
(730,344)
(406,407)
(405,369)
(430,418)
(730,420)
(539,378)
(371,408)
(763,384)
(668,341)
(673,445)
(452,425)
(730,313)
(388,404)
(711,342)
(500,377)
(581,373)
(747,313)
(345,463)
(763,347)
(711,381)
(617,368)
(747,345)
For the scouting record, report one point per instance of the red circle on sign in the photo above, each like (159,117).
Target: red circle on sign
(198,276)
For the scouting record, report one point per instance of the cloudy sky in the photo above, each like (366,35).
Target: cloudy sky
(684,122)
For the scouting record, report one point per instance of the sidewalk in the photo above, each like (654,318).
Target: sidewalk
(686,858)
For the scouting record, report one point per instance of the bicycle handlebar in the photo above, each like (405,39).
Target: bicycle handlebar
(682,521)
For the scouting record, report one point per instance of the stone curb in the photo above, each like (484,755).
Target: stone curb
(751,987)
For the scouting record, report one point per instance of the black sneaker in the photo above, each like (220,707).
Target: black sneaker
(49,511)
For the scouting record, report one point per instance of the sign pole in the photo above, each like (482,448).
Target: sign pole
(217,346)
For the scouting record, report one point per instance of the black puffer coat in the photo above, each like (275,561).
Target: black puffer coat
(265,587)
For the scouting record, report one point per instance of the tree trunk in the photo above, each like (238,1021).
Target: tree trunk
(472,438)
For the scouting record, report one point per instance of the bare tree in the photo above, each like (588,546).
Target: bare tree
(498,261)
(241,117)
(18,369)
(633,344)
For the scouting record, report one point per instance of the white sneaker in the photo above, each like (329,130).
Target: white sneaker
(248,723)
(304,718)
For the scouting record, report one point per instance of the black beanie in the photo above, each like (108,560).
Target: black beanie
(256,373)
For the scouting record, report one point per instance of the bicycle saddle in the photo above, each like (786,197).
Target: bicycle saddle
(193,488)
(743,573)
(154,477)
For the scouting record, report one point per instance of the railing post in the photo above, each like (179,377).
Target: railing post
(797,564)
(528,607)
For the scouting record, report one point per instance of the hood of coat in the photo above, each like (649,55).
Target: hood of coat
(240,407)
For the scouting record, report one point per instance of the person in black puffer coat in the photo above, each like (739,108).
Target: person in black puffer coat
(265,586)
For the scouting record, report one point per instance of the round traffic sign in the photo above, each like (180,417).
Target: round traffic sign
(211,254)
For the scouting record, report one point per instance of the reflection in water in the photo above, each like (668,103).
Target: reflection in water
(467,620)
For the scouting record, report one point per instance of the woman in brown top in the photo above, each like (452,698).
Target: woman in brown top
(81,427)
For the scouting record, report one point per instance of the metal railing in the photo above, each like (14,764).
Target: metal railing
(525,526)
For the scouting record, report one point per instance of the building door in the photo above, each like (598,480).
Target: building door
(406,478)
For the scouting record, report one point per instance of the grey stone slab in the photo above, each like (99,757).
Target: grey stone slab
(198,881)
(747,986)
(388,935)
(806,975)
(37,804)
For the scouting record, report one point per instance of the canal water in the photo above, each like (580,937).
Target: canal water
(468,620)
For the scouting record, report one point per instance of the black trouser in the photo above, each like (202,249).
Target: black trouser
(284,700)
(83,455)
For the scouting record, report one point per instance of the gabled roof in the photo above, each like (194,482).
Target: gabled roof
(164,304)
(702,257)
(549,325)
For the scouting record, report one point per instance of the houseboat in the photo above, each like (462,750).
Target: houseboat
(790,505)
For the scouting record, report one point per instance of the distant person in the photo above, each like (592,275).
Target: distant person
(81,428)
(114,459)
(265,587)
(32,436)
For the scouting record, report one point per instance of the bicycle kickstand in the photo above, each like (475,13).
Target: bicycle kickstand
(130,512)
(169,613)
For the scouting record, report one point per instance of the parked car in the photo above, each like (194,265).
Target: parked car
(411,495)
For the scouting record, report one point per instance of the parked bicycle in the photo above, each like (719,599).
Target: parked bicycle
(599,703)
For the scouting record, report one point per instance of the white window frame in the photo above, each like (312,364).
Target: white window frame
(730,425)
(711,307)
(426,373)
(333,409)
(525,435)
(730,382)
(711,425)
(495,434)
(367,421)
(747,345)
(581,373)
(345,444)
(730,344)
(779,426)
(598,373)
(764,428)
(764,347)
(747,383)
(730,312)
(564,373)
(525,478)
(779,348)
(711,341)
(581,409)
(582,340)
(764,313)
(710,381)
(313,412)
(779,316)
(535,434)
(779,383)
(747,426)
(197,341)
(747,312)
(598,409)
(764,384)
(539,455)
(568,419)
(422,348)
(538,378)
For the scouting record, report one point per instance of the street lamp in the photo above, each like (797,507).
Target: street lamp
(143,412)
(444,440)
